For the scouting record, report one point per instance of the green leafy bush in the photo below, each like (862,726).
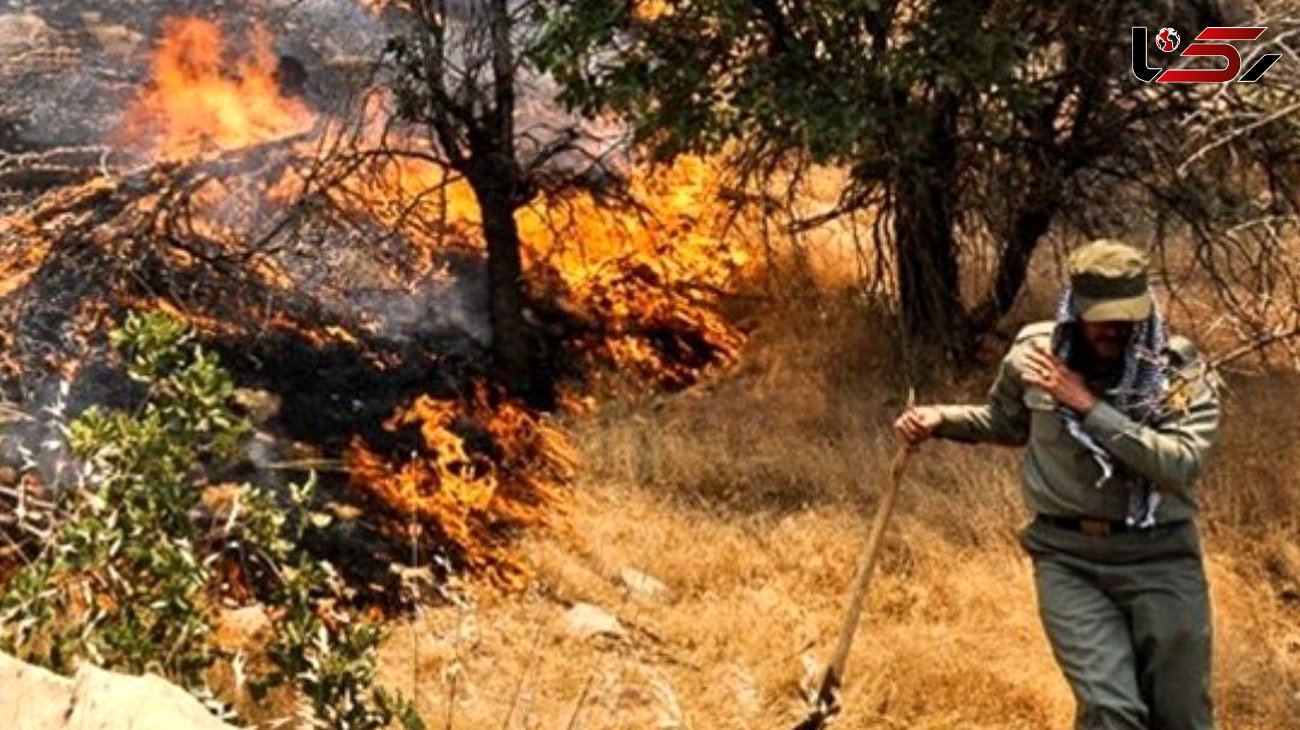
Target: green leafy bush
(126,578)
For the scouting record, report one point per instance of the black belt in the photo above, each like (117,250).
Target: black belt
(1088,525)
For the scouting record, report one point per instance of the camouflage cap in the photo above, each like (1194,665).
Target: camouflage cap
(1109,282)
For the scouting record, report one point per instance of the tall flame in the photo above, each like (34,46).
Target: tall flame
(642,285)
(473,497)
(651,277)
(194,105)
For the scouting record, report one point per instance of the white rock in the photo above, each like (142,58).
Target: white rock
(642,585)
(37,699)
(585,620)
(33,698)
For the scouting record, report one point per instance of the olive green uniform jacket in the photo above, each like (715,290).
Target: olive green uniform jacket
(1060,475)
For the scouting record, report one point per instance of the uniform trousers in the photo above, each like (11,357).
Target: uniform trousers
(1128,619)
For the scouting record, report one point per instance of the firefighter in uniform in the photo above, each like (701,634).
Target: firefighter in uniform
(1117,418)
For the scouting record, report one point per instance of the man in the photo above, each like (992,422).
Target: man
(1117,420)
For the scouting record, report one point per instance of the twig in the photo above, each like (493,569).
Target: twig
(326,465)
(1279,335)
(582,702)
(529,667)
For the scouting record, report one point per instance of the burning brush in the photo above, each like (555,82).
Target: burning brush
(334,262)
(485,467)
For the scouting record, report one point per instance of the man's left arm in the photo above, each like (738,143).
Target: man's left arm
(1171,452)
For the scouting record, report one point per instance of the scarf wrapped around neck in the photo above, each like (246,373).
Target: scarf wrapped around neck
(1138,394)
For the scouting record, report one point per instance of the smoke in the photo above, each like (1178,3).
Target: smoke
(442,307)
(91,71)
(71,67)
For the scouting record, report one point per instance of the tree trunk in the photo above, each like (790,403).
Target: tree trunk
(1013,265)
(512,353)
(929,277)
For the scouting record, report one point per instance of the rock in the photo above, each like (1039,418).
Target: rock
(33,698)
(265,450)
(299,451)
(262,449)
(95,699)
(585,621)
(643,586)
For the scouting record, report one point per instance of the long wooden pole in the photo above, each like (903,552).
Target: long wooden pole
(826,702)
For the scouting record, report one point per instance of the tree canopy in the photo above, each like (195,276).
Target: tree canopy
(969,129)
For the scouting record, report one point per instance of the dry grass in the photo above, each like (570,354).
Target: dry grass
(749,499)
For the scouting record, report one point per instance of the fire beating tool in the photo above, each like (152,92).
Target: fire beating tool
(825,703)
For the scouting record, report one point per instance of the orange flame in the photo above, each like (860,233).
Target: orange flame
(648,281)
(472,498)
(193,106)
(652,278)
(651,10)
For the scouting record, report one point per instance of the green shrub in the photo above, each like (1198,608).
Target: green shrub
(125,579)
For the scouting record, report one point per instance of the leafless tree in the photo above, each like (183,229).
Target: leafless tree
(463,72)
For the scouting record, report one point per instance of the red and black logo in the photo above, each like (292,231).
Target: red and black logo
(1168,40)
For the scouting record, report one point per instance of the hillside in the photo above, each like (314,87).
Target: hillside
(749,498)
(379,362)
